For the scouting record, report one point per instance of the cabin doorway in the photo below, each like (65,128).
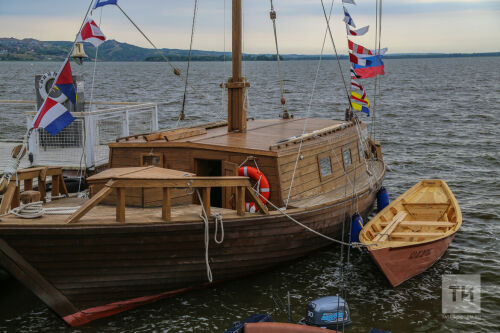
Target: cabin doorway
(211,168)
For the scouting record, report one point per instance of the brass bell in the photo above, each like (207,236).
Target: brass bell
(78,53)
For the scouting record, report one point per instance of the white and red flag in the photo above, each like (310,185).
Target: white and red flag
(91,33)
(359,32)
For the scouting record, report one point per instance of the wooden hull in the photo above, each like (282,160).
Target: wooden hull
(88,272)
(402,263)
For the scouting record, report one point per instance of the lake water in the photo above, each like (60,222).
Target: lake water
(436,118)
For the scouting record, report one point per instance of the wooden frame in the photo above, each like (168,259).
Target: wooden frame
(351,164)
(321,157)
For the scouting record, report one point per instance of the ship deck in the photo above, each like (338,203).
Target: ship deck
(260,134)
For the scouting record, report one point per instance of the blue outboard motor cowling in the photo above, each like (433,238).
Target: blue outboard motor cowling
(329,312)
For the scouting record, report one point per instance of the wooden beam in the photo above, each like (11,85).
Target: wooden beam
(120,204)
(188,182)
(258,201)
(91,203)
(16,198)
(166,209)
(31,278)
(62,186)
(205,196)
(240,200)
(7,197)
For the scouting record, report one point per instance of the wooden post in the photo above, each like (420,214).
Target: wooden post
(240,200)
(166,210)
(42,183)
(120,204)
(205,196)
(55,185)
(237,113)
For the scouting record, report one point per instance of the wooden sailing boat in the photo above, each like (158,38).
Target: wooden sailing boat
(414,231)
(147,232)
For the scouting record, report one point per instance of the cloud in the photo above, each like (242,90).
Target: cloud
(407,26)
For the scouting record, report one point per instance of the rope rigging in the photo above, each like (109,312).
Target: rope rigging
(272,15)
(327,18)
(176,71)
(182,116)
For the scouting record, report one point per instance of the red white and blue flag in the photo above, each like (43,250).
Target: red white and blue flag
(64,82)
(91,33)
(52,116)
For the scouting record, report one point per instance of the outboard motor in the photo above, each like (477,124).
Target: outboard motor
(329,312)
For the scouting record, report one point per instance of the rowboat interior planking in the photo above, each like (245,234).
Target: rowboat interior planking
(414,231)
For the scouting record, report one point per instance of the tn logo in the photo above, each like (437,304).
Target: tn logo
(461,293)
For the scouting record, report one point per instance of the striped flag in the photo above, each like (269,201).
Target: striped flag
(360,98)
(359,32)
(355,48)
(52,116)
(348,19)
(349,1)
(354,75)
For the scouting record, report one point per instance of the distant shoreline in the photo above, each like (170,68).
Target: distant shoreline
(12,49)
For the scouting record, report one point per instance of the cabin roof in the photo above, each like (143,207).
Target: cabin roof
(261,134)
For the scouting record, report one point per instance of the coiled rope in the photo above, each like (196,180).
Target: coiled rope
(34,210)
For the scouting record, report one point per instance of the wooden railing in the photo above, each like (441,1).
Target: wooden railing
(204,184)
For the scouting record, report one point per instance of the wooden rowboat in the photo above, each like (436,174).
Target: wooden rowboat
(414,231)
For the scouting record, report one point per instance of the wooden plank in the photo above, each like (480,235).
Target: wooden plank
(258,201)
(398,218)
(91,203)
(166,209)
(7,197)
(120,204)
(205,195)
(32,279)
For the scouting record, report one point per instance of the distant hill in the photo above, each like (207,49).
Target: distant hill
(32,50)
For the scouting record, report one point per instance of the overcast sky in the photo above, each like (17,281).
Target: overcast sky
(409,26)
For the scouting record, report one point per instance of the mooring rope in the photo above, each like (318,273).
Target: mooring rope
(35,209)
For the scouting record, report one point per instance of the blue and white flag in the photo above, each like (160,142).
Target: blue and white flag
(349,1)
(348,19)
(101,3)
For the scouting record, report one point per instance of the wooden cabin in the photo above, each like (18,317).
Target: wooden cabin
(329,151)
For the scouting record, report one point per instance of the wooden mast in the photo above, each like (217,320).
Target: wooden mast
(236,85)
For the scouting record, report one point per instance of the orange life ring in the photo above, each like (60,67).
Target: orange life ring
(263,186)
